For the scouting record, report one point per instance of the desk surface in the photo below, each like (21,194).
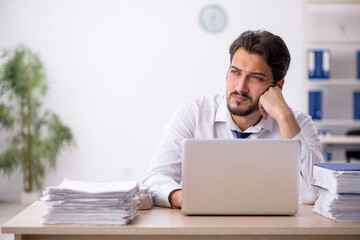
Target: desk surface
(167,222)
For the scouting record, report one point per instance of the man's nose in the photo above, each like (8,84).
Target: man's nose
(242,84)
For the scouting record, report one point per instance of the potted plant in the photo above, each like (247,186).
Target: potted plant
(34,136)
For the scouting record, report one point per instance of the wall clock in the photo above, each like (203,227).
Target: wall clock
(213,18)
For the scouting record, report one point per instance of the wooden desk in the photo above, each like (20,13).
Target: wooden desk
(163,223)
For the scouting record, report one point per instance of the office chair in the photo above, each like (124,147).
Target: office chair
(353,153)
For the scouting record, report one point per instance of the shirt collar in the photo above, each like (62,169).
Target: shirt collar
(223,115)
(222,111)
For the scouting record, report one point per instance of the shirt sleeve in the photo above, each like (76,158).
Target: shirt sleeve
(165,170)
(310,154)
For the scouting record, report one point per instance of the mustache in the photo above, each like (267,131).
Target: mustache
(242,94)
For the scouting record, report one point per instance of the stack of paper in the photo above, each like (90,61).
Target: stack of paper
(86,203)
(339,197)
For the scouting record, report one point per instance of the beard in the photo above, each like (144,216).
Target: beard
(237,111)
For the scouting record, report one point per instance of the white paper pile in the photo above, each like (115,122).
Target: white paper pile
(88,203)
(339,197)
(339,207)
(338,177)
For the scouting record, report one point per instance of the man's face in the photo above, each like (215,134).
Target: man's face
(249,76)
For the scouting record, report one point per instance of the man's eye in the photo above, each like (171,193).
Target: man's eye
(235,72)
(255,78)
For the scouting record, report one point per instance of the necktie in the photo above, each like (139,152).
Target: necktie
(241,134)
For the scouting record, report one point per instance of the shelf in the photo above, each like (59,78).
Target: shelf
(332,25)
(333,42)
(339,139)
(332,1)
(337,122)
(335,82)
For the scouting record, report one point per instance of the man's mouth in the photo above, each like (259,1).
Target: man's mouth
(240,98)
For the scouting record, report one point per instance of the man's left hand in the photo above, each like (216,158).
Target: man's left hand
(273,103)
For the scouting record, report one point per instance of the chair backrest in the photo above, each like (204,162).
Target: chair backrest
(353,132)
(354,154)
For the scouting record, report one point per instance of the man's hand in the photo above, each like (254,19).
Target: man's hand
(273,103)
(175,198)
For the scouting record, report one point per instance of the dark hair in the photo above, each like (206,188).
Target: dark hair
(271,47)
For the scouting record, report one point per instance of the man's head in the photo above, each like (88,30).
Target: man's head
(259,60)
(269,46)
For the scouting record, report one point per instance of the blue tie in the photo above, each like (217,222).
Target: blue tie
(241,134)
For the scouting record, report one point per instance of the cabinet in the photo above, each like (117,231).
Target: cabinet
(333,26)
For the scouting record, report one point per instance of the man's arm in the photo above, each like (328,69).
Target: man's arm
(175,198)
(300,128)
(164,173)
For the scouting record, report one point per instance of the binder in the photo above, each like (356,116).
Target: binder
(338,178)
(319,64)
(357,105)
(328,150)
(315,104)
(340,166)
(358,64)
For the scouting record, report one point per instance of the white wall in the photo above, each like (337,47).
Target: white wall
(117,70)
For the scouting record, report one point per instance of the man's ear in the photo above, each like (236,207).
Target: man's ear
(280,83)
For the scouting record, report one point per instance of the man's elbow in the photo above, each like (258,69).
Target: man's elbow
(309,197)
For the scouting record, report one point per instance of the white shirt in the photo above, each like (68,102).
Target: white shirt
(208,117)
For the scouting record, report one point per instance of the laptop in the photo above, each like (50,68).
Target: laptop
(240,177)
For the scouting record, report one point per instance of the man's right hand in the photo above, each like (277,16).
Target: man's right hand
(175,198)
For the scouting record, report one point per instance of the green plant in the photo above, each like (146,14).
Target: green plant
(34,137)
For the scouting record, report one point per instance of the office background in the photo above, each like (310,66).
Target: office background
(118,69)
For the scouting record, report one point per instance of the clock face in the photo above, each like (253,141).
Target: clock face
(213,18)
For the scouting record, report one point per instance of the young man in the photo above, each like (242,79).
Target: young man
(253,107)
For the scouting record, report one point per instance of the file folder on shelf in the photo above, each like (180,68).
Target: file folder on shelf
(319,64)
(358,64)
(357,105)
(315,104)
